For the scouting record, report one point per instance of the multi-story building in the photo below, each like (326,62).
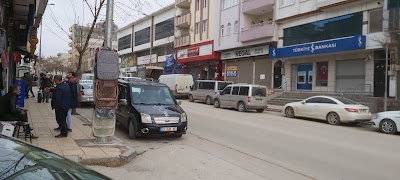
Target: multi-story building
(147,42)
(243,34)
(78,37)
(331,45)
(194,41)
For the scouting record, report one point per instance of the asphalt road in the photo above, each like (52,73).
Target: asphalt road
(269,146)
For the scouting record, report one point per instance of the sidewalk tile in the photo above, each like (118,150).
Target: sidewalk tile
(111,151)
(93,151)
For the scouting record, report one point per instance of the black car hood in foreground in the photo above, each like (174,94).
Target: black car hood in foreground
(160,110)
(20,160)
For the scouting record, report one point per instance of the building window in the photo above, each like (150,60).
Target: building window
(322,73)
(165,29)
(393,4)
(375,20)
(197,28)
(143,53)
(124,42)
(142,36)
(228,29)
(229,3)
(222,30)
(287,2)
(197,5)
(205,25)
(236,27)
(323,30)
(205,3)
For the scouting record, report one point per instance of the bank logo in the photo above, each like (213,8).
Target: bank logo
(360,43)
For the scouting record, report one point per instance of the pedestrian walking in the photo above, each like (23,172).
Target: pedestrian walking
(28,79)
(72,82)
(45,83)
(61,102)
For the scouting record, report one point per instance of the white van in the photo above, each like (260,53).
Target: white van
(178,83)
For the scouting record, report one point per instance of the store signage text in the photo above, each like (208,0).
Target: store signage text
(329,46)
(231,71)
(256,51)
(192,52)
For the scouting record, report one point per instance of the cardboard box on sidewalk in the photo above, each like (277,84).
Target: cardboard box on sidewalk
(6,129)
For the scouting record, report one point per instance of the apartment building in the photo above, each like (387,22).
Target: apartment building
(194,41)
(78,37)
(331,45)
(244,32)
(148,42)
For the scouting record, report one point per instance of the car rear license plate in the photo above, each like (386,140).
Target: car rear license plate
(363,111)
(168,129)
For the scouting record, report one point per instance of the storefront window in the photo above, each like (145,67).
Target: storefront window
(322,74)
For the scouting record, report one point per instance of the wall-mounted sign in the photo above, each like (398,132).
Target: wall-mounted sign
(203,50)
(193,52)
(241,53)
(328,46)
(146,59)
(231,71)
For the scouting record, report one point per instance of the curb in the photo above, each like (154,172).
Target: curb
(274,110)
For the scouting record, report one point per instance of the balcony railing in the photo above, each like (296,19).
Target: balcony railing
(255,5)
(183,21)
(181,41)
(258,31)
(183,3)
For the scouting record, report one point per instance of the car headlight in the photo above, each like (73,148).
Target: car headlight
(146,118)
(183,117)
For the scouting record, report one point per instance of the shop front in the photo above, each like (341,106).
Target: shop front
(248,65)
(201,61)
(337,65)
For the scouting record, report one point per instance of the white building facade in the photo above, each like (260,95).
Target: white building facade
(147,42)
(244,32)
(331,46)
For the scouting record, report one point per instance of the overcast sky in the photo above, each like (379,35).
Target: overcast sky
(59,17)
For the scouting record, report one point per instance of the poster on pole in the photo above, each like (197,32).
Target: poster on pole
(21,95)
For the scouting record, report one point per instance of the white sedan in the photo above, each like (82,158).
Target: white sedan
(387,122)
(332,109)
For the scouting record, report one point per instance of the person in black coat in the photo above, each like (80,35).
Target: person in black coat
(9,110)
(61,102)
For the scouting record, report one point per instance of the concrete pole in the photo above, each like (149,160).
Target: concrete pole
(386,75)
(109,23)
(39,69)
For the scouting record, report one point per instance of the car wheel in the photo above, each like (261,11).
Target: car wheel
(387,126)
(216,103)
(333,118)
(208,100)
(260,110)
(289,112)
(191,98)
(132,130)
(241,107)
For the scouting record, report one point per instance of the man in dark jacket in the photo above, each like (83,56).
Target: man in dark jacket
(61,102)
(28,79)
(9,110)
(72,82)
(45,83)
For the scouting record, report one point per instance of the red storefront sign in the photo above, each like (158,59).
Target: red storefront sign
(198,52)
(193,52)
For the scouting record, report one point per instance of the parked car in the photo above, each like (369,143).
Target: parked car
(86,93)
(21,160)
(204,90)
(87,76)
(335,110)
(242,97)
(388,122)
(178,83)
(148,108)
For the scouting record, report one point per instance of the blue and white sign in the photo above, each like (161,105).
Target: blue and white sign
(170,61)
(328,46)
(21,95)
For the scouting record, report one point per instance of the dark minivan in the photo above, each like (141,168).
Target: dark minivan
(148,108)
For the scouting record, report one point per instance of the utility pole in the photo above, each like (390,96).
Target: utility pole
(101,138)
(386,74)
(109,23)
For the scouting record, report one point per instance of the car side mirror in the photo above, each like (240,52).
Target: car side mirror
(123,102)
(303,102)
(179,103)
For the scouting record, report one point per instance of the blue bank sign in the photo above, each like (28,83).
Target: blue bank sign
(329,46)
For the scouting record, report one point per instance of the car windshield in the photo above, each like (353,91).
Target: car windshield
(258,91)
(19,160)
(151,95)
(345,100)
(222,85)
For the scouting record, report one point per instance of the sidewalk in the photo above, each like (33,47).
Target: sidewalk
(42,119)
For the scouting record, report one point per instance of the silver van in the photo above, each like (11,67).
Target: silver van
(204,90)
(242,97)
